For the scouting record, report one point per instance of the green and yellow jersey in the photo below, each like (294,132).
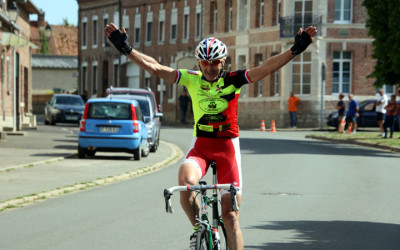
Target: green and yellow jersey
(214,104)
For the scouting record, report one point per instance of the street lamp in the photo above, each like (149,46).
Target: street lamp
(47,31)
(13,12)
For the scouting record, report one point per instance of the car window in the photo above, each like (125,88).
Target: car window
(109,110)
(138,94)
(370,107)
(144,106)
(139,115)
(68,100)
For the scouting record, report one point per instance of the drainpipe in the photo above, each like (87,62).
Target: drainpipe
(15,82)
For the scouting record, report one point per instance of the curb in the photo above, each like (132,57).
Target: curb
(37,163)
(354,142)
(176,154)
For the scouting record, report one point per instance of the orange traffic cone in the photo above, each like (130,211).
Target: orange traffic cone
(273,129)
(262,128)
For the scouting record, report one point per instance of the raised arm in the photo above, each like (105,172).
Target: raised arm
(120,40)
(302,40)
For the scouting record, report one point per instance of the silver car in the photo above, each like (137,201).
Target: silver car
(151,119)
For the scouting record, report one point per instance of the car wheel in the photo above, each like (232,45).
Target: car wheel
(52,122)
(146,150)
(137,153)
(81,152)
(91,152)
(155,146)
(46,122)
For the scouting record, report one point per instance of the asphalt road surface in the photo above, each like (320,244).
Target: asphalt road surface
(298,194)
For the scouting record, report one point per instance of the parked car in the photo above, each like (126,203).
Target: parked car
(151,119)
(64,108)
(136,92)
(367,115)
(112,125)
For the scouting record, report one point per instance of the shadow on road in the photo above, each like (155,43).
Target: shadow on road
(277,146)
(332,235)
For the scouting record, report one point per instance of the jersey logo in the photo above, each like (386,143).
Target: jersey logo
(213,105)
(232,73)
(205,87)
(192,72)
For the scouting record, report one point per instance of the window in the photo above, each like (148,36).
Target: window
(94,77)
(260,14)
(186,27)
(94,32)
(230,15)
(198,22)
(125,23)
(161,26)
(302,14)
(388,89)
(214,17)
(242,14)
(301,76)
(259,61)
(137,29)
(174,23)
(147,82)
(343,11)
(84,33)
(105,22)
(84,76)
(341,72)
(276,82)
(149,26)
(116,73)
(149,32)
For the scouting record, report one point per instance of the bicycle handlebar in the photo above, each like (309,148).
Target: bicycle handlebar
(231,188)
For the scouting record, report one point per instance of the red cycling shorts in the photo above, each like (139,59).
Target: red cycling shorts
(226,154)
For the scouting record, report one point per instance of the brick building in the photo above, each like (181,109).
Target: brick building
(254,30)
(54,62)
(15,66)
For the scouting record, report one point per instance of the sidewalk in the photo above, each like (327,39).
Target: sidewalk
(37,165)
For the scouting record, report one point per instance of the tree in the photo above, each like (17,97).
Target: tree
(384,25)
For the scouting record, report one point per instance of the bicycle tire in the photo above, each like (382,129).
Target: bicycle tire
(202,239)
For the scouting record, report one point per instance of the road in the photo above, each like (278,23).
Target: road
(298,194)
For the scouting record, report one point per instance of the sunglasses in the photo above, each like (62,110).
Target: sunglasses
(206,63)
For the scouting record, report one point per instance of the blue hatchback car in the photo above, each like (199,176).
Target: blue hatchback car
(112,126)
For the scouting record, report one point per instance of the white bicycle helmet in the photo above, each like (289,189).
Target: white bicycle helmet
(211,49)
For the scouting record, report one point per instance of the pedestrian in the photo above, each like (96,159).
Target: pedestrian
(84,96)
(184,104)
(381,111)
(292,107)
(390,116)
(341,108)
(215,95)
(398,111)
(352,114)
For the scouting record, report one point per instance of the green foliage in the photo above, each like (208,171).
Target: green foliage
(45,49)
(383,24)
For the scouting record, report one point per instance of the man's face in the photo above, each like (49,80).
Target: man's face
(211,69)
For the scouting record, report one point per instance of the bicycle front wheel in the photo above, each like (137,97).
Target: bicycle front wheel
(202,239)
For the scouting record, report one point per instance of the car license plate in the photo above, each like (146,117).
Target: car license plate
(71,117)
(109,129)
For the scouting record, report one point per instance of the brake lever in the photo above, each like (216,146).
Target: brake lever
(233,192)
(168,206)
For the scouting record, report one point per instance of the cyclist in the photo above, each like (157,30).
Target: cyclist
(214,96)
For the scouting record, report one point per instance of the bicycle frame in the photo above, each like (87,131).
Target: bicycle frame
(205,202)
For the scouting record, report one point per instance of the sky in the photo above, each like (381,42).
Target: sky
(56,10)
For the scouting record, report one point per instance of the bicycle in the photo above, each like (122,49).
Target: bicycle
(208,234)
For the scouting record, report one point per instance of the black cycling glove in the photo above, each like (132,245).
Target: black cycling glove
(120,41)
(301,43)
